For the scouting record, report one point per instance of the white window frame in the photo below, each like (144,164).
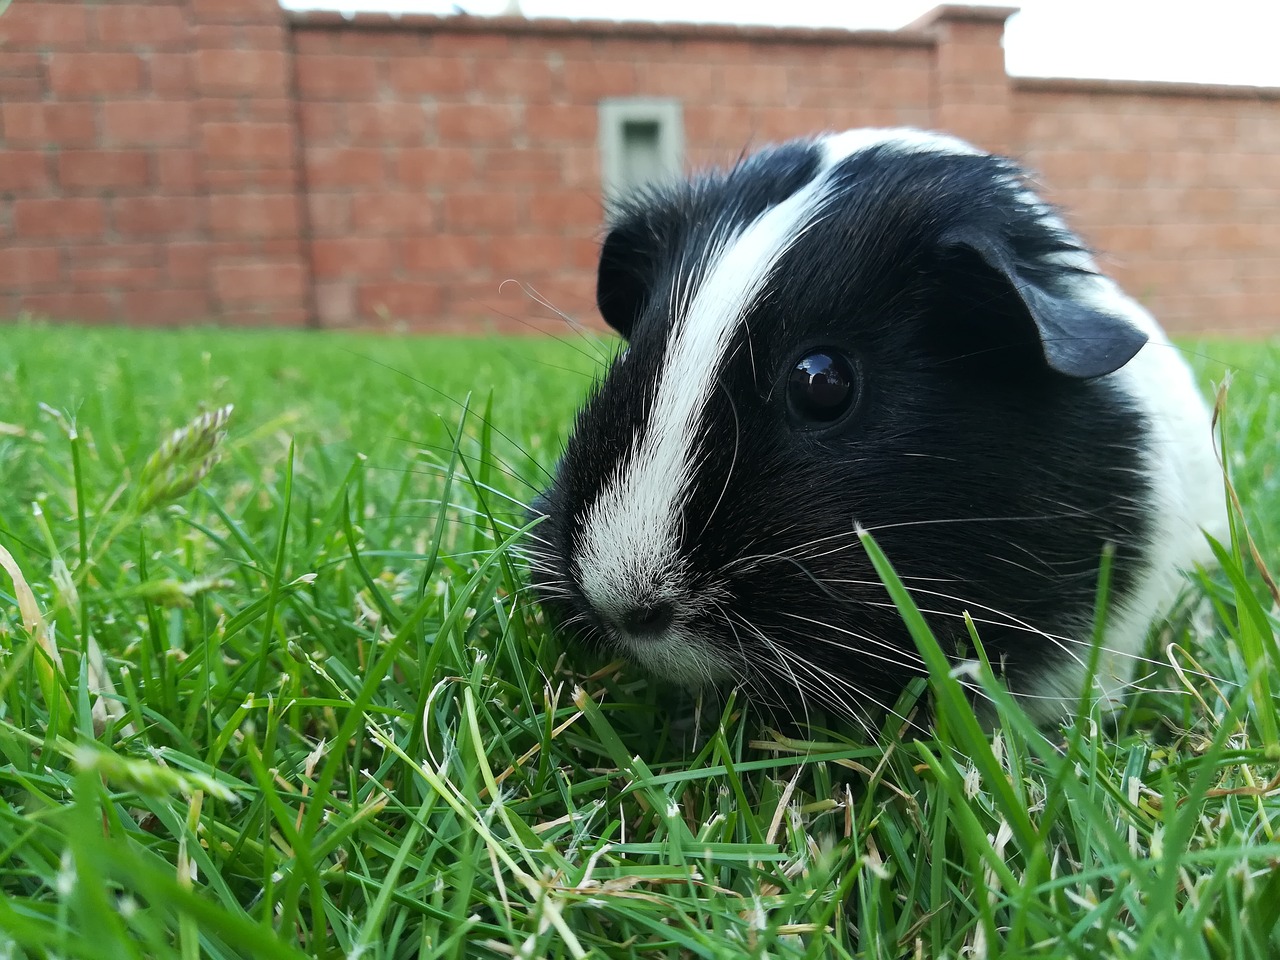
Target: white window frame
(615,114)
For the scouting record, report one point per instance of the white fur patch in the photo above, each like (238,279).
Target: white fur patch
(1187,500)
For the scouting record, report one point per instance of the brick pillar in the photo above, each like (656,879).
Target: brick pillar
(971,90)
(248,135)
(102,212)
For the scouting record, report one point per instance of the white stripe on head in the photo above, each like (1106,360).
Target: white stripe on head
(629,548)
(840,146)
(631,534)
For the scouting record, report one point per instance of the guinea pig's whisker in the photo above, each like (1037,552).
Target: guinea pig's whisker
(844,701)
(1061,641)
(586,335)
(755,677)
(897,652)
(778,653)
(1027,518)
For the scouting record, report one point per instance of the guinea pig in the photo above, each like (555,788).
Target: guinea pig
(883,329)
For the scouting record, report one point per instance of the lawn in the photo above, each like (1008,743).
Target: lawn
(283,704)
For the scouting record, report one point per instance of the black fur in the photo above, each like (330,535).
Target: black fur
(983,455)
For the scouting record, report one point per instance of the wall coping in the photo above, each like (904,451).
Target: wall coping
(962,13)
(631,29)
(1148,88)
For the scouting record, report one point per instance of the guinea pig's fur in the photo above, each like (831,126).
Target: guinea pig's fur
(1012,413)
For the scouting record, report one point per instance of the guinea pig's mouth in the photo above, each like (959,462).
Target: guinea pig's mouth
(664,637)
(678,655)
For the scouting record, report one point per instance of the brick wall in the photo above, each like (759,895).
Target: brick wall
(1177,185)
(185,160)
(441,164)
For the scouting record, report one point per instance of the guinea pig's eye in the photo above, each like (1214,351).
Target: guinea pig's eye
(821,388)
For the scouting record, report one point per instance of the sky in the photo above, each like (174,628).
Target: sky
(1223,41)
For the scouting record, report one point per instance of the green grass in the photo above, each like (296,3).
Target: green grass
(298,709)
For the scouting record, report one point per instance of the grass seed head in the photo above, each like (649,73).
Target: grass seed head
(183,460)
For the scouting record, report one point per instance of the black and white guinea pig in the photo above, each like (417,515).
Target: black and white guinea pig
(883,329)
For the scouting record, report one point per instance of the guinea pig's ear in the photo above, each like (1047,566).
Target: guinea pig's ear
(1076,340)
(622,280)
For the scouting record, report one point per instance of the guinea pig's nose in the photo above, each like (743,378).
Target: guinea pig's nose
(647,619)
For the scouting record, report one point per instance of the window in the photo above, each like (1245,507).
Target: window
(641,142)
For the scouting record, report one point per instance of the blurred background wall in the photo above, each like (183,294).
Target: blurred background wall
(182,161)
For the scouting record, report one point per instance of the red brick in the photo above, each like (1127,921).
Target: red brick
(20,64)
(62,124)
(248,144)
(444,255)
(754,84)
(253,283)
(580,167)
(186,263)
(588,81)
(267,315)
(487,300)
(727,128)
(430,75)
(242,249)
(157,216)
(330,213)
(516,255)
(532,166)
(336,303)
(169,75)
(520,79)
(115,276)
(70,305)
(481,210)
(546,123)
(147,122)
(103,168)
(336,77)
(350,256)
(237,11)
(234,179)
(115,255)
(481,46)
(376,124)
(20,86)
(466,123)
(246,110)
(268,110)
(401,299)
(254,215)
(154,25)
(242,72)
(23,171)
(178,171)
(45,25)
(435,166)
(314,41)
(664,79)
(584,253)
(561,210)
(322,123)
(27,268)
(394,213)
(94,74)
(327,167)
(165,307)
(381,43)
